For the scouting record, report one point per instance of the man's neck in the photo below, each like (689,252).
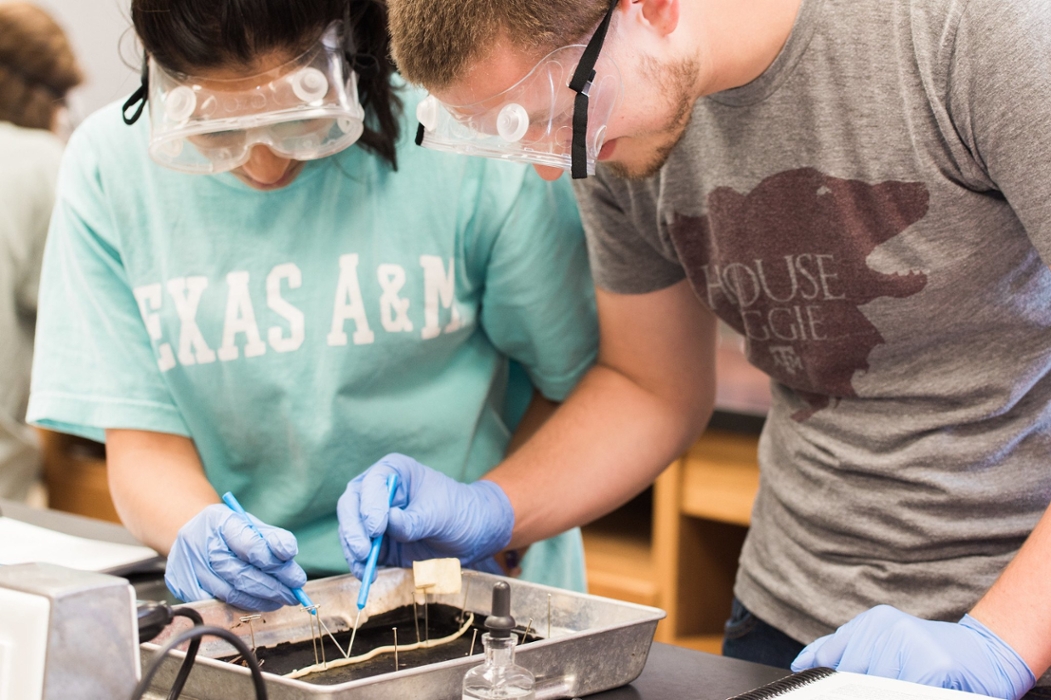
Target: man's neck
(737,40)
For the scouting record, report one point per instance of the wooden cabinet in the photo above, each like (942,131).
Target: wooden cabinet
(676,546)
(75,473)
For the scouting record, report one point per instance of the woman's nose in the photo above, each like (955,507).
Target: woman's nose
(264,166)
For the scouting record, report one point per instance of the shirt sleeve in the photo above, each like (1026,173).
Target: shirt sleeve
(622,241)
(94,365)
(999,99)
(538,305)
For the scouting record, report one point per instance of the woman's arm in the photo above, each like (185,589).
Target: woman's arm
(157,483)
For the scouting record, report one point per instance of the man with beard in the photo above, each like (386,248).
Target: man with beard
(856,187)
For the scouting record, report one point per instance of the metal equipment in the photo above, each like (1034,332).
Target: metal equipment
(65,634)
(592,644)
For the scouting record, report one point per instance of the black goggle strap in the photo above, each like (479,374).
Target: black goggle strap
(140,97)
(580,84)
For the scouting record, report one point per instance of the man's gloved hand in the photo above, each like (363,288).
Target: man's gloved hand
(432,516)
(886,642)
(217,554)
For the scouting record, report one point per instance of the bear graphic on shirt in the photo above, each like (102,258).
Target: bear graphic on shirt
(786,266)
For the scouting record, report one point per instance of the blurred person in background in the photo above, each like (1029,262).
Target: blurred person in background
(37,70)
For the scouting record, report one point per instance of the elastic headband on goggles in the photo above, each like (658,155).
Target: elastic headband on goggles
(555,116)
(305,109)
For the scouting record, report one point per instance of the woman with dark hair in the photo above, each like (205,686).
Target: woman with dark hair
(37,69)
(263,287)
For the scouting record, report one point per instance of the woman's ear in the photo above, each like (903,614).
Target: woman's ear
(660,15)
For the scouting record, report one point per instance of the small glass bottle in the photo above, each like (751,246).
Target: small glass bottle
(499,676)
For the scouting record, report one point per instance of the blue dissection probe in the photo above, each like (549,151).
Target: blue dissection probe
(230,500)
(370,564)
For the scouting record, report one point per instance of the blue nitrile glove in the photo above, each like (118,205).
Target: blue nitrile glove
(884,641)
(218,555)
(432,516)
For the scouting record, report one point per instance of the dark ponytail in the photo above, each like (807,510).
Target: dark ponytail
(369,18)
(191,35)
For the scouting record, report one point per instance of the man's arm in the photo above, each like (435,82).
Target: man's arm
(648,398)
(539,410)
(1000,102)
(1018,606)
(650,395)
(999,649)
(157,483)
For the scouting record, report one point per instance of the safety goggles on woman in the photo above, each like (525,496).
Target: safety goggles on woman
(554,116)
(305,109)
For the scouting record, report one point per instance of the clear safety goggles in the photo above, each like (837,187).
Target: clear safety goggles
(306,109)
(555,116)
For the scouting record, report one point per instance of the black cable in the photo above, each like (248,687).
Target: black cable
(154,618)
(191,652)
(196,633)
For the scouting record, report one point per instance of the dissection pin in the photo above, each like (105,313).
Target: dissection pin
(354,633)
(251,628)
(473,638)
(416,619)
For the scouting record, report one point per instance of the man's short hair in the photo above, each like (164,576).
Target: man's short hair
(434,42)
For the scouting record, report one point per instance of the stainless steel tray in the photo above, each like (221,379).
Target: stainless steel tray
(595,643)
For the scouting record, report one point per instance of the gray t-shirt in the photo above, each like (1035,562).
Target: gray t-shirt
(29,160)
(873,213)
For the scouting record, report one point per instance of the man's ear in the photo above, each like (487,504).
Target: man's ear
(661,15)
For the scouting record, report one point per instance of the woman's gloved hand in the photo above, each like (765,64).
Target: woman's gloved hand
(432,516)
(884,641)
(217,554)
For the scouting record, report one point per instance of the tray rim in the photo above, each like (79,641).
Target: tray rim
(650,615)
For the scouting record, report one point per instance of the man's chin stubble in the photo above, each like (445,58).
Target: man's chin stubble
(658,155)
(676,82)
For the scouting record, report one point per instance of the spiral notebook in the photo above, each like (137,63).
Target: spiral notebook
(826,684)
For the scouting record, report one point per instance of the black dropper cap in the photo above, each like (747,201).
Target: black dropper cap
(500,623)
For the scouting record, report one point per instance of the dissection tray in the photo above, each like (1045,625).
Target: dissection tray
(575,644)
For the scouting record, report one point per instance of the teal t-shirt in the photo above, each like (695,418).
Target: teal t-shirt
(299,335)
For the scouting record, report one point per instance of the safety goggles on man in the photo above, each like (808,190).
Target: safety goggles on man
(554,116)
(305,109)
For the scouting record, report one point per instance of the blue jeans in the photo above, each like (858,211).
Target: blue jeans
(750,639)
